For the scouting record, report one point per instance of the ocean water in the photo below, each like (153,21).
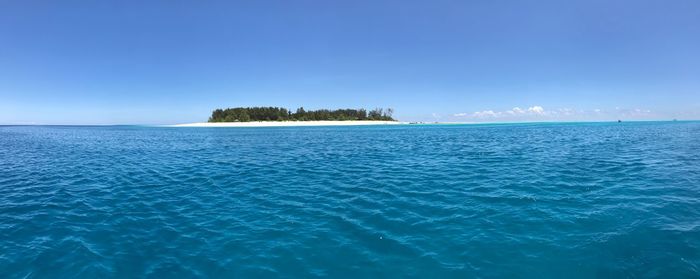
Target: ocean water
(595,200)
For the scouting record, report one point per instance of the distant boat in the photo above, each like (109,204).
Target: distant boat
(618,121)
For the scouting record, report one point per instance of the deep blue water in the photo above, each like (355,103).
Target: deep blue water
(597,200)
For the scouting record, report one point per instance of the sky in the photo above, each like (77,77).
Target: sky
(166,62)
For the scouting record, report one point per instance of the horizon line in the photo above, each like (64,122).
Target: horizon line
(406,122)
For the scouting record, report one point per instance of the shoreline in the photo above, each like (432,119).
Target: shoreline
(290,123)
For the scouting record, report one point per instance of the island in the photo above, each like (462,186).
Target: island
(279,116)
(248,114)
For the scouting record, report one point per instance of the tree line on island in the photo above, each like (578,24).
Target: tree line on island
(241,114)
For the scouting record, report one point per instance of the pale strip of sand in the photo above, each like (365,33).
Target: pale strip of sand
(288,123)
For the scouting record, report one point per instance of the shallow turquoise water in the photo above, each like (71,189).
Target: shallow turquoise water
(605,200)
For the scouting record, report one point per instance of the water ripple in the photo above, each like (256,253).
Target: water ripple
(530,200)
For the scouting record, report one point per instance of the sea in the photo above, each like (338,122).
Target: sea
(535,200)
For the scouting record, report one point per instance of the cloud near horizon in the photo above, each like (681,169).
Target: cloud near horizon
(539,113)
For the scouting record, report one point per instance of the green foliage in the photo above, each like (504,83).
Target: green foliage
(241,114)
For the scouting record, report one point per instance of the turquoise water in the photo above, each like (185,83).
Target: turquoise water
(599,200)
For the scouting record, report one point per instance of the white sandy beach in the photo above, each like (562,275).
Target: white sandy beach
(288,123)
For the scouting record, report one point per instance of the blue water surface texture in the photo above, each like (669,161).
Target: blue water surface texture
(575,200)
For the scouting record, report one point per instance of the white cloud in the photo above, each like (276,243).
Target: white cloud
(567,111)
(487,114)
(514,112)
(539,113)
(536,110)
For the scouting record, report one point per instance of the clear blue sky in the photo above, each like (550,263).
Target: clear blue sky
(158,62)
